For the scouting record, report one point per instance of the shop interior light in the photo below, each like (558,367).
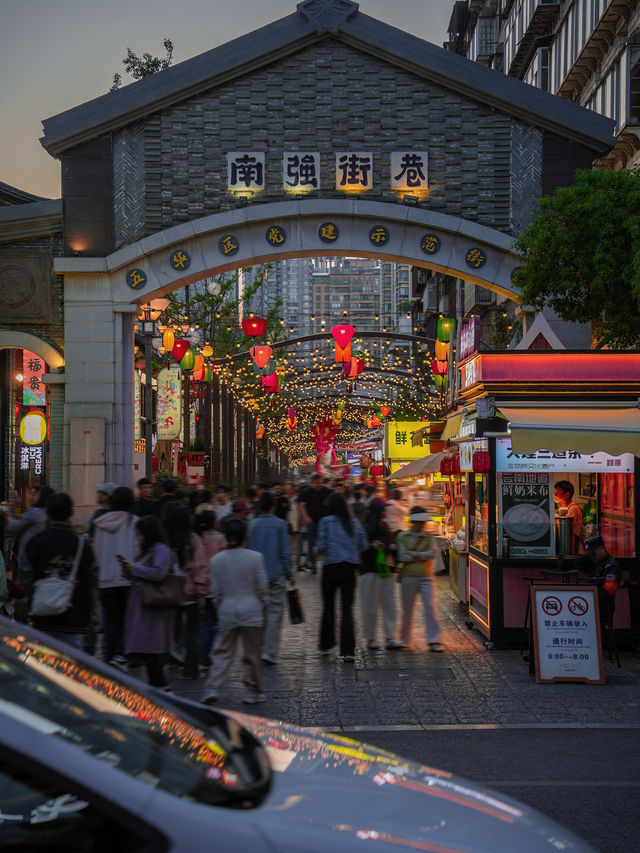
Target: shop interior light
(19,377)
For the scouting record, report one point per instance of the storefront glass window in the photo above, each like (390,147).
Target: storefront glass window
(479,514)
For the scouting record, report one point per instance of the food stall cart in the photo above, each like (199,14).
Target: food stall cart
(527,422)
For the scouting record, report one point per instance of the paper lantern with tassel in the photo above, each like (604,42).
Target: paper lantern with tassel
(198,363)
(207,350)
(442,351)
(342,334)
(343,354)
(385,410)
(188,360)
(441,368)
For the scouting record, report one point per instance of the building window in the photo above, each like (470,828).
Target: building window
(634,77)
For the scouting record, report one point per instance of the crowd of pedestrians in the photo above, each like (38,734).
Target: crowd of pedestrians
(236,557)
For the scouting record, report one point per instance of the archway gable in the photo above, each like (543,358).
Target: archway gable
(294,32)
(466,249)
(10,339)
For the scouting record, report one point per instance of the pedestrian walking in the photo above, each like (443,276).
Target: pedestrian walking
(341,540)
(190,557)
(416,572)
(269,536)
(212,543)
(396,512)
(55,551)
(148,632)
(377,586)
(31,522)
(238,587)
(114,536)
(313,507)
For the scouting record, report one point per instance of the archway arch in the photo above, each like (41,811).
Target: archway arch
(11,339)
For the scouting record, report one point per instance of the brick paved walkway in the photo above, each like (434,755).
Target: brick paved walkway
(468,685)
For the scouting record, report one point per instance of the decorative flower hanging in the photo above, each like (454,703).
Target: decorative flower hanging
(254,327)
(260,430)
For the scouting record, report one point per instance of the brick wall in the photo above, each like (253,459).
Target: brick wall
(171,168)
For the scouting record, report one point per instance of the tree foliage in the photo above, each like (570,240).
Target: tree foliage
(582,255)
(143,66)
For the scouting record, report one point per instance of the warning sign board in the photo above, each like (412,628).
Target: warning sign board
(566,633)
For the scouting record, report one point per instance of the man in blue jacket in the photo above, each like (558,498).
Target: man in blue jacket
(269,535)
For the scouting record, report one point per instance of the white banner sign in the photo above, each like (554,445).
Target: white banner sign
(563,460)
(567,633)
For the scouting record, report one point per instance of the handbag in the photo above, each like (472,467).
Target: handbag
(52,595)
(296,613)
(161,595)
(382,566)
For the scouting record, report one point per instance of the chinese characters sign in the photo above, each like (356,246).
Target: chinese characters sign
(409,172)
(399,440)
(33,388)
(524,515)
(169,404)
(245,171)
(567,633)
(562,460)
(354,171)
(300,171)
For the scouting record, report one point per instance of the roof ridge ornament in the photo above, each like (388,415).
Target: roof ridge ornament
(327,15)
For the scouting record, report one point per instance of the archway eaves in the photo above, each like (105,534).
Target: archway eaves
(13,339)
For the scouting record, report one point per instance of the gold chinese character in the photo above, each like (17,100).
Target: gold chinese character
(179,259)
(379,235)
(136,278)
(228,245)
(275,236)
(430,243)
(328,232)
(475,258)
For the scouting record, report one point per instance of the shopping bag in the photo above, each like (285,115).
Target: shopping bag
(296,613)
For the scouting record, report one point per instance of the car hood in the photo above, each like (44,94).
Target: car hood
(329,782)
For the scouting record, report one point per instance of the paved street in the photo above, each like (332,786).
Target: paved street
(571,750)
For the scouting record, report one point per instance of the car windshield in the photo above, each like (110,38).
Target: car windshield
(219,763)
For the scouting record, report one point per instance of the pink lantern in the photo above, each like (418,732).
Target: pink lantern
(342,334)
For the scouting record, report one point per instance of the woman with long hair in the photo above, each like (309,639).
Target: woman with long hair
(238,587)
(341,541)
(187,547)
(148,633)
(376,577)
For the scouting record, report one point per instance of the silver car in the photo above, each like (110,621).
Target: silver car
(93,760)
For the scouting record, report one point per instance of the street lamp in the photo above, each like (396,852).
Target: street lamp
(148,316)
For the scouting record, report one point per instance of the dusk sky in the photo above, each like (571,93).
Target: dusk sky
(56,55)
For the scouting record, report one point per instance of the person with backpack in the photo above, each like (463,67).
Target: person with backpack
(416,573)
(57,550)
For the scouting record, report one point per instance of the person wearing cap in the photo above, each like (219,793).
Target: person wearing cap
(269,536)
(415,553)
(605,573)
(240,508)
(104,491)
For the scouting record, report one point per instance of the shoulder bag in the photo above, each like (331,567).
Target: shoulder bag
(165,594)
(52,595)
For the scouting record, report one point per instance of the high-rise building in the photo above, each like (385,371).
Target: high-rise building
(347,290)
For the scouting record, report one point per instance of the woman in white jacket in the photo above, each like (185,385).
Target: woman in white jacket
(115,535)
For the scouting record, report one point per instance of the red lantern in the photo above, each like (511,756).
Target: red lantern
(254,327)
(445,466)
(376,421)
(385,410)
(481,462)
(260,355)
(455,463)
(270,383)
(342,335)
(198,375)
(440,368)
(180,346)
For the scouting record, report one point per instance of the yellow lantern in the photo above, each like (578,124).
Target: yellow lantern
(207,350)
(168,339)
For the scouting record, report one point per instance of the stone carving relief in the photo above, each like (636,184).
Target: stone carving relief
(25,288)
(327,15)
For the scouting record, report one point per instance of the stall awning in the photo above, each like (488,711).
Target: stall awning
(452,427)
(428,464)
(587,430)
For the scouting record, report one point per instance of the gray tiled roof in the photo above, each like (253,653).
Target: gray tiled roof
(294,32)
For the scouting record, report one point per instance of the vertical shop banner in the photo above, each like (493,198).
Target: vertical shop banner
(566,625)
(33,387)
(524,507)
(137,405)
(169,404)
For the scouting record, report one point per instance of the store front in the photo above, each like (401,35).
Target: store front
(547,444)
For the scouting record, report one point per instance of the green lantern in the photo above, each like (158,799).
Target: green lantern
(446,327)
(207,373)
(188,360)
